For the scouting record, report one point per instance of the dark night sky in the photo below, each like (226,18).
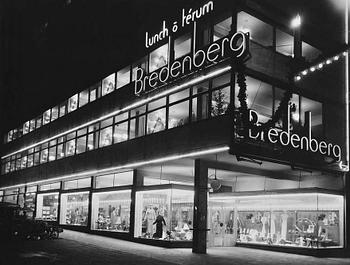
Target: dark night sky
(59,47)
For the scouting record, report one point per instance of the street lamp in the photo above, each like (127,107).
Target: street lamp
(296,22)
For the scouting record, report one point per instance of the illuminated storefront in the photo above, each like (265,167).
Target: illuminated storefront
(217,137)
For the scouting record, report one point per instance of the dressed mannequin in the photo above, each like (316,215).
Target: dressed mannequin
(284,218)
(159,226)
(273,224)
(264,221)
(150,218)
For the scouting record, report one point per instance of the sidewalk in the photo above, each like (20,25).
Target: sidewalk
(215,256)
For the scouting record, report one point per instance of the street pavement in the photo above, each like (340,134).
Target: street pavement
(73,248)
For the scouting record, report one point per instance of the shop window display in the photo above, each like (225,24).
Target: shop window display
(296,220)
(164,214)
(74,208)
(29,203)
(111,211)
(47,205)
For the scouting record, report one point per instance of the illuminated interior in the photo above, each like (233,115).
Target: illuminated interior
(310,220)
(165,214)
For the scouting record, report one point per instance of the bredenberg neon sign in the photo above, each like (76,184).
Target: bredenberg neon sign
(234,45)
(287,138)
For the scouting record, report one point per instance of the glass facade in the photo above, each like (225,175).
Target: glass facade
(164,214)
(47,206)
(311,220)
(266,206)
(74,208)
(111,211)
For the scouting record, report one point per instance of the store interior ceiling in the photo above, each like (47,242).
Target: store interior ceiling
(227,168)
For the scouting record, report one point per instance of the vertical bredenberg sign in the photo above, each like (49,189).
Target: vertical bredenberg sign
(235,45)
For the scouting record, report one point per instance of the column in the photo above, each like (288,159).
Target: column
(200,207)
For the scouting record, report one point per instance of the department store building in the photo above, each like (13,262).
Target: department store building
(231,131)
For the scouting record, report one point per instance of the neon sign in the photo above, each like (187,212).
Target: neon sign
(236,45)
(187,17)
(287,138)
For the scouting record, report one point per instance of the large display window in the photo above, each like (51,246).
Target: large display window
(111,211)
(164,214)
(310,220)
(47,206)
(29,203)
(74,208)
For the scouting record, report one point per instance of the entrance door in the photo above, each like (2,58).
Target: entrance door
(222,223)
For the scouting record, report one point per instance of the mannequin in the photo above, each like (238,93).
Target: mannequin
(284,217)
(273,224)
(150,217)
(159,226)
(264,221)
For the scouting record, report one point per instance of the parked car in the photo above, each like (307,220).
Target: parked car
(15,223)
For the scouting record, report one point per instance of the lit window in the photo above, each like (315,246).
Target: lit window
(70,147)
(83,98)
(220,101)
(111,211)
(284,43)
(222,29)
(108,84)
(47,206)
(106,136)
(54,113)
(309,52)
(47,116)
(123,77)
(182,46)
(38,122)
(259,31)
(32,125)
(158,58)
(63,109)
(81,144)
(73,103)
(121,132)
(26,127)
(52,153)
(178,114)
(44,155)
(74,208)
(156,121)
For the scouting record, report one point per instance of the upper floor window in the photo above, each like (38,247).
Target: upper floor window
(309,52)
(123,77)
(182,46)
(222,29)
(108,84)
(73,103)
(158,58)
(284,43)
(259,31)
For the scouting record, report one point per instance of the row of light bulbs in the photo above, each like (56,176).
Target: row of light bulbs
(319,66)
